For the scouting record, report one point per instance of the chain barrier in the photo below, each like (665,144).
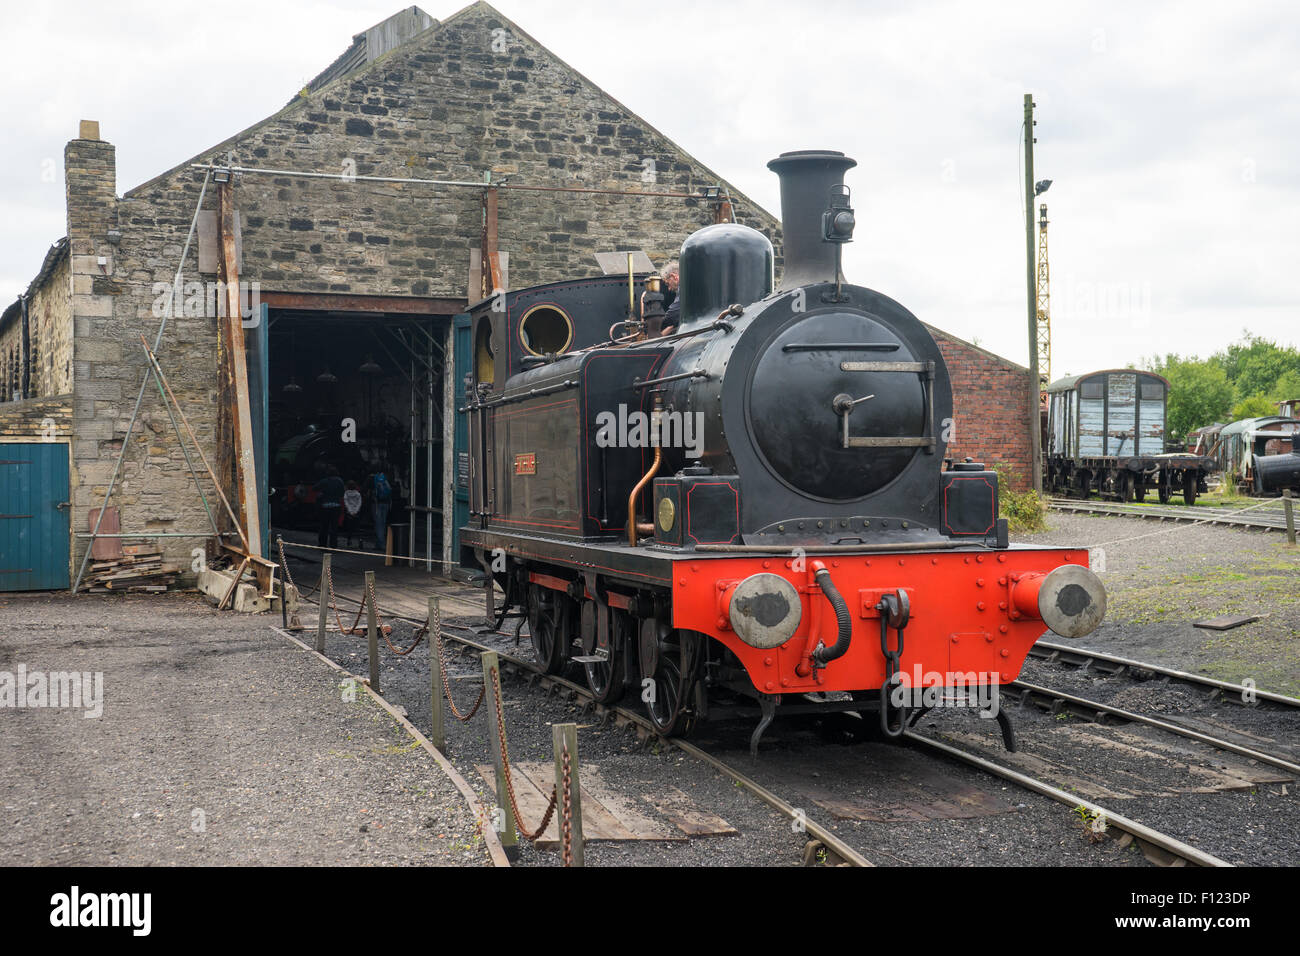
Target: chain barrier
(440,649)
(385,628)
(566,818)
(434,626)
(505,765)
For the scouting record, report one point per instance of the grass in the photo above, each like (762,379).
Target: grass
(1025,511)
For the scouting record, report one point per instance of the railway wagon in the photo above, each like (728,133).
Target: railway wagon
(752,512)
(1106,436)
(1255,453)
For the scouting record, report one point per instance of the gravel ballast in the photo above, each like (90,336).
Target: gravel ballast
(1163,578)
(219,743)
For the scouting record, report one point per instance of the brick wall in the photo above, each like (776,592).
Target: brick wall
(990,405)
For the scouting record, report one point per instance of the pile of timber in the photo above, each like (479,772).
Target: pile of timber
(139,569)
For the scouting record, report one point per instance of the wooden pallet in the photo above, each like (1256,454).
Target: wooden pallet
(139,569)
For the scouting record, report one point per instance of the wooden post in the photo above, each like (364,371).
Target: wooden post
(372,632)
(324,594)
(566,735)
(236,373)
(437,733)
(1287,507)
(504,816)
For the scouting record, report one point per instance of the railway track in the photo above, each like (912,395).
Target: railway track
(1258,520)
(1109,665)
(822,842)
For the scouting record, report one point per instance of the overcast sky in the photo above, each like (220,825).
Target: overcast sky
(1171,132)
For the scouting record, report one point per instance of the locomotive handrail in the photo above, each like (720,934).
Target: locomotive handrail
(694,373)
(522,397)
(936,545)
(841,347)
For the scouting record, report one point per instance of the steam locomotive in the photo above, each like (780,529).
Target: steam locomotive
(754,509)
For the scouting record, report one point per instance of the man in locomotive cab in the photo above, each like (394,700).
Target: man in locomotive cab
(660,307)
(671,275)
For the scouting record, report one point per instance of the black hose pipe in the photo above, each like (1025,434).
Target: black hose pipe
(824,655)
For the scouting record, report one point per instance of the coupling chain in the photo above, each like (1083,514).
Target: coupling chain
(892,677)
(505,766)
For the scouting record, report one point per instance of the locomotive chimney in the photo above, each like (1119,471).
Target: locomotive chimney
(812,182)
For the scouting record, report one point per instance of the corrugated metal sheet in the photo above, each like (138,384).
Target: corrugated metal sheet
(33,529)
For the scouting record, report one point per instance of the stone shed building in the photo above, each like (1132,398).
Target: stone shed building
(360,223)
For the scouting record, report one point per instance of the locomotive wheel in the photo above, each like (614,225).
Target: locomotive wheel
(548,627)
(670,659)
(1189,487)
(1139,489)
(606,678)
(1164,488)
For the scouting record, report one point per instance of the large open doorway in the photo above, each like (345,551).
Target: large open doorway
(360,394)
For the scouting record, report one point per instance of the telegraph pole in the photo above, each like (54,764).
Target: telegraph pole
(1035,440)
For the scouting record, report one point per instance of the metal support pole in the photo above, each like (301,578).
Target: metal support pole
(324,596)
(437,730)
(503,819)
(372,631)
(566,737)
(1287,507)
(1031,289)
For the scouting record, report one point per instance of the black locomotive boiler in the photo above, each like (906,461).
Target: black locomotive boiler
(756,505)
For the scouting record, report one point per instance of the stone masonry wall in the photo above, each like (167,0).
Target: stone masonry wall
(471,95)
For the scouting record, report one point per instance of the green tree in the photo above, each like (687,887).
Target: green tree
(1256,406)
(1287,387)
(1199,393)
(1255,365)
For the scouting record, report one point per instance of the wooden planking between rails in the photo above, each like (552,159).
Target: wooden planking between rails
(606,814)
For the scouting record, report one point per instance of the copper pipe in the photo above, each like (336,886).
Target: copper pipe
(631,499)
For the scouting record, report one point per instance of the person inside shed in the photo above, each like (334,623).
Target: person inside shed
(381,500)
(329,505)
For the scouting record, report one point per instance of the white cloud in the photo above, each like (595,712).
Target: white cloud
(1170,131)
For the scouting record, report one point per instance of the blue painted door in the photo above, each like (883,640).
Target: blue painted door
(34,515)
